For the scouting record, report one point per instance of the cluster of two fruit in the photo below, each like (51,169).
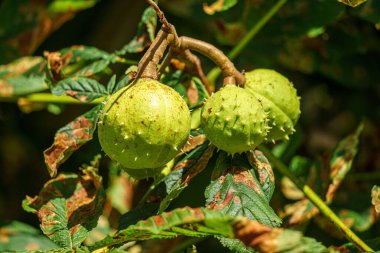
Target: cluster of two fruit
(145,124)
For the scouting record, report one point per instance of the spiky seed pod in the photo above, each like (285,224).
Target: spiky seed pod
(234,120)
(279,99)
(144,125)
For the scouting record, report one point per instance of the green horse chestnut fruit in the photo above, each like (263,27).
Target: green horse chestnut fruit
(234,120)
(279,99)
(144,125)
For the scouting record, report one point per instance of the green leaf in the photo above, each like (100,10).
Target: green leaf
(341,161)
(196,93)
(191,88)
(70,138)
(326,181)
(69,206)
(82,88)
(177,80)
(101,231)
(195,222)
(112,87)
(22,85)
(18,236)
(22,76)
(120,190)
(235,245)
(85,53)
(266,239)
(136,214)
(357,221)
(145,33)
(197,154)
(93,68)
(264,171)
(235,190)
(185,170)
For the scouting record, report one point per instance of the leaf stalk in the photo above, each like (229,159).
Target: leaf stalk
(317,201)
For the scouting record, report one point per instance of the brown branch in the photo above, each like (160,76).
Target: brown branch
(231,74)
(160,14)
(169,28)
(192,64)
(148,64)
(165,63)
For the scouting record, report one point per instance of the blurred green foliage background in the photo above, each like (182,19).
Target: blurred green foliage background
(330,51)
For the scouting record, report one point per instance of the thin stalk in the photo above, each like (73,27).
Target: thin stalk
(317,201)
(50,98)
(215,72)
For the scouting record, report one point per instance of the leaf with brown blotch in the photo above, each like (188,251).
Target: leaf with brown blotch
(70,138)
(193,142)
(264,170)
(182,173)
(20,237)
(357,221)
(270,240)
(235,190)
(81,88)
(25,25)
(169,187)
(218,6)
(186,221)
(69,206)
(341,161)
(326,177)
(201,222)
(22,76)
(375,194)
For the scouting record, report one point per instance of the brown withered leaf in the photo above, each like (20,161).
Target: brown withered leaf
(214,7)
(70,138)
(194,142)
(56,62)
(69,206)
(375,194)
(325,177)
(270,240)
